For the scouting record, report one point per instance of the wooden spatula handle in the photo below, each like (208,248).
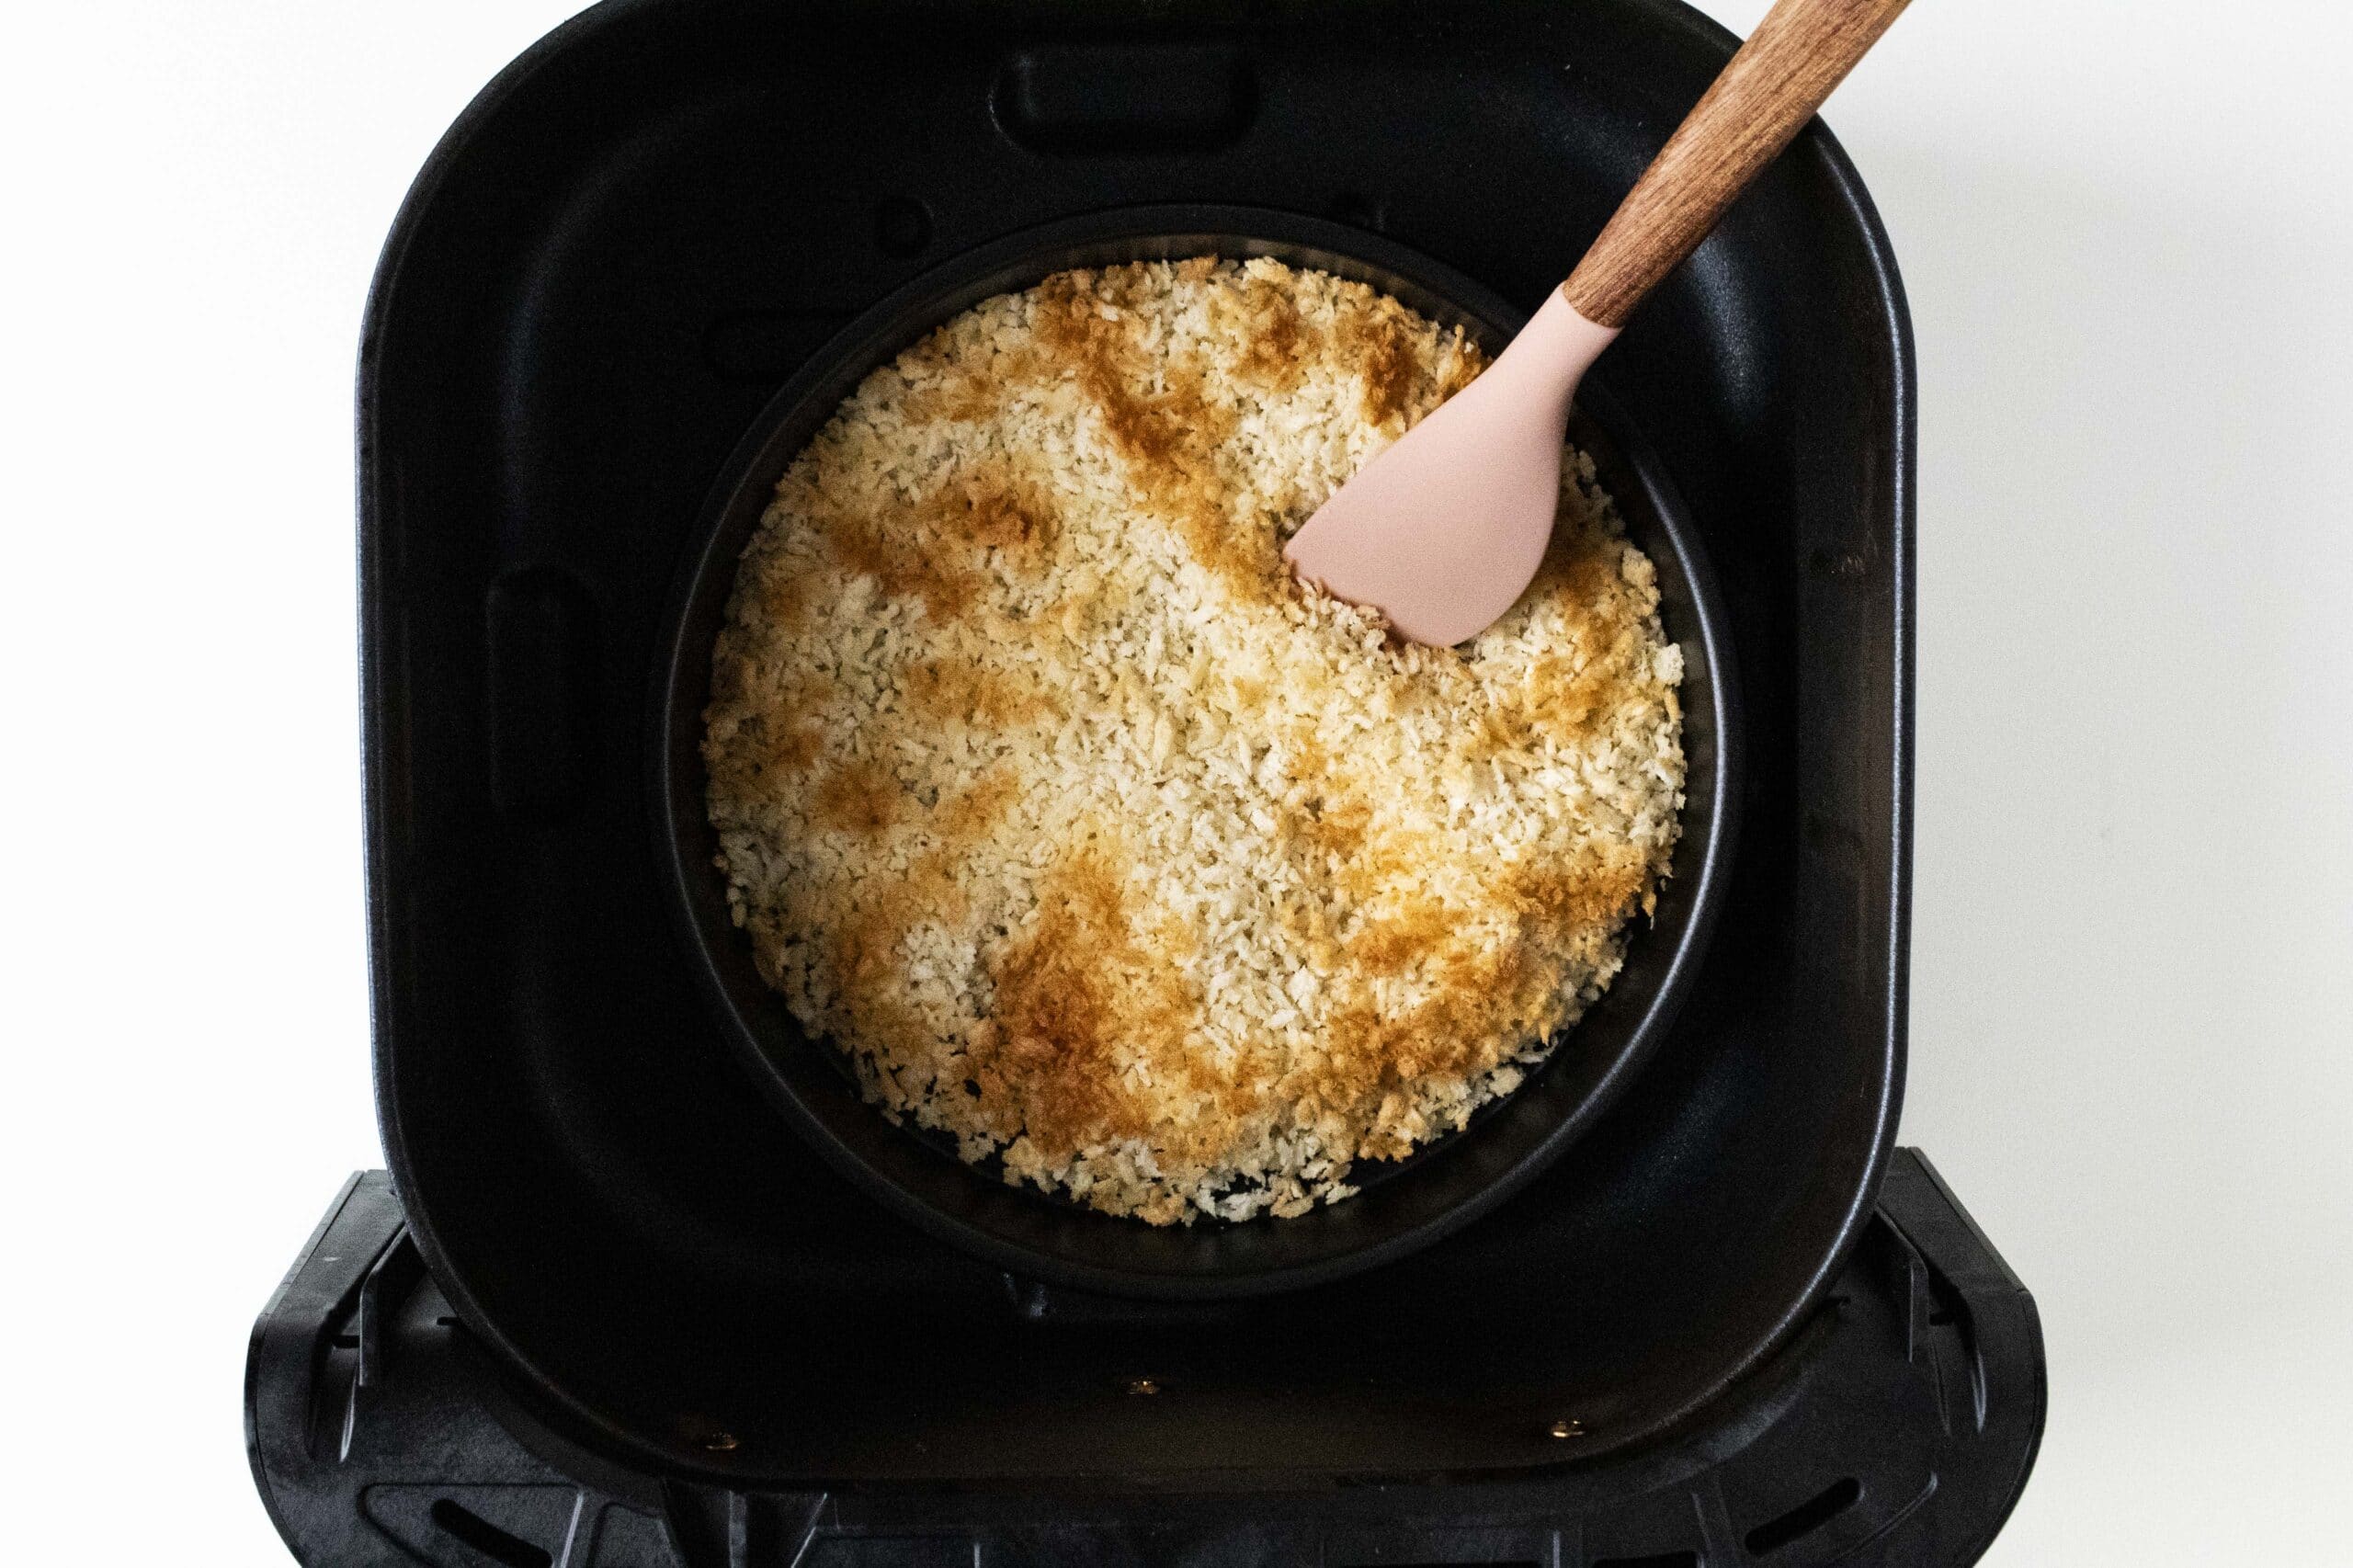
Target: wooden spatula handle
(1799,53)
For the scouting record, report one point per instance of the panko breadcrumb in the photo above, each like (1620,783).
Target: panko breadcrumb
(1101,845)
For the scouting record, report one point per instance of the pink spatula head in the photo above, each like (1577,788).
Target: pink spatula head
(1444,530)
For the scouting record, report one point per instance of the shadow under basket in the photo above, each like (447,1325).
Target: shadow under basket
(627,1310)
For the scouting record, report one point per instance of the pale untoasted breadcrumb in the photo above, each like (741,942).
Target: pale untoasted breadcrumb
(1097,843)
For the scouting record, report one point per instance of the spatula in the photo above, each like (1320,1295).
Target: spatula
(1445,529)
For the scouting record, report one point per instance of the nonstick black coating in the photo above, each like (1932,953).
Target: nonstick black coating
(1405,1204)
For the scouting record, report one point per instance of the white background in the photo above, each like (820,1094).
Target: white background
(2125,228)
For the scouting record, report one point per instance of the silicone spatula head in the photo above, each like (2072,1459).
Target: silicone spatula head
(1444,530)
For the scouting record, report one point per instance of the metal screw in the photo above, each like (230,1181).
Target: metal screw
(1142,1385)
(1568,1428)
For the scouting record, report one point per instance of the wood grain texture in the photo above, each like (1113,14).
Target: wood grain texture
(1799,53)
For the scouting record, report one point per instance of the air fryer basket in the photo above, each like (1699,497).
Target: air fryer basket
(624,248)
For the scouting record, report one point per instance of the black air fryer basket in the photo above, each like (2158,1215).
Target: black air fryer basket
(1703,1325)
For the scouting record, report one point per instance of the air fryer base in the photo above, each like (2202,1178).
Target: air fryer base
(1896,1428)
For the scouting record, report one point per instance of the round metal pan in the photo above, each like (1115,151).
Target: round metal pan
(1405,1205)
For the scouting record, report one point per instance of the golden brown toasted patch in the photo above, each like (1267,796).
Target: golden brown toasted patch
(1059,1021)
(1340,827)
(888,549)
(964,817)
(859,797)
(1376,342)
(1276,346)
(779,744)
(1589,897)
(997,509)
(955,691)
(1571,693)
(1375,1051)
(784,597)
(1168,435)
(1387,854)
(793,748)
(971,393)
(1401,937)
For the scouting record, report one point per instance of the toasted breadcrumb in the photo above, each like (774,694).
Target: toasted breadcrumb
(1101,845)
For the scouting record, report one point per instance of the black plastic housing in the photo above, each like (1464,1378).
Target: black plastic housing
(1894,1432)
(626,244)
